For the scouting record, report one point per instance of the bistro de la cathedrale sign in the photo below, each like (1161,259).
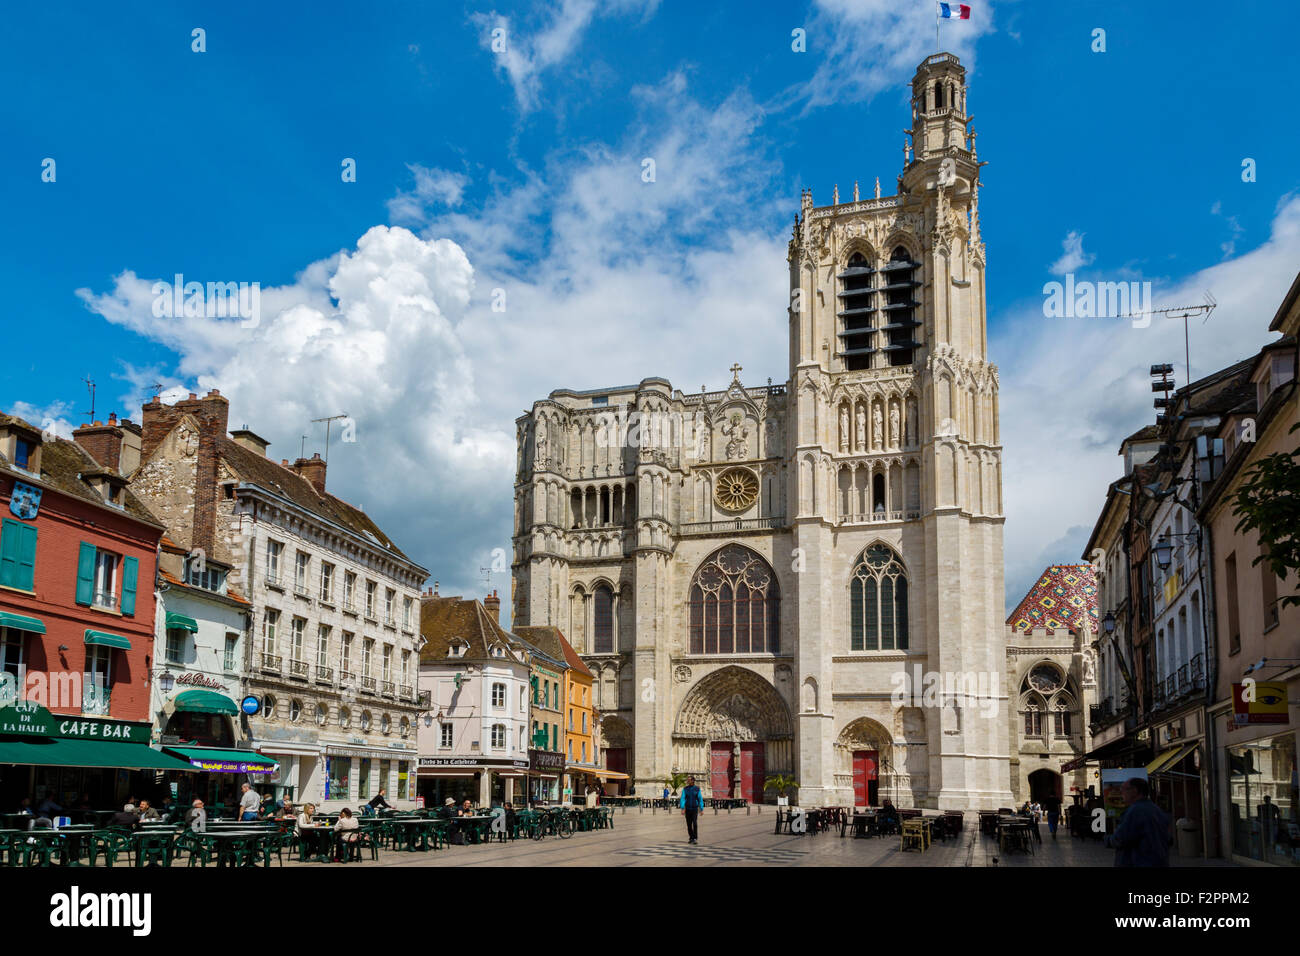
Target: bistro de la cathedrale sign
(30,719)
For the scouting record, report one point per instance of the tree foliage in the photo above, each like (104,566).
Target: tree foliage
(1268,503)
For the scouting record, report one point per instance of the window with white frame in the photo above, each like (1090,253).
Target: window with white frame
(273,551)
(406,668)
(322,645)
(390,600)
(326,581)
(270,624)
(387,664)
(372,590)
(299,632)
(368,652)
(349,590)
(232,648)
(498,736)
(98,682)
(347,652)
(445,735)
(407,604)
(498,695)
(176,644)
(300,568)
(105,579)
(12,644)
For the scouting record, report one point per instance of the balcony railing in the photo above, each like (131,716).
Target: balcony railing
(346,676)
(349,607)
(732,524)
(95,701)
(425,699)
(324,675)
(407,692)
(104,599)
(300,669)
(368,685)
(387,688)
(271,663)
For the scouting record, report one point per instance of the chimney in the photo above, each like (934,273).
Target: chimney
(250,440)
(103,442)
(212,412)
(313,469)
(130,458)
(493,605)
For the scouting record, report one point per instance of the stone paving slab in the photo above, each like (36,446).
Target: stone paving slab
(746,839)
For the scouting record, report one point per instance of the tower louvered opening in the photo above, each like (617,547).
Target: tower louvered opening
(856,313)
(898,313)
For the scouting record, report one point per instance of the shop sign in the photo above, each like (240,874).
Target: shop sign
(31,719)
(200,680)
(229,766)
(25,501)
(250,705)
(1256,702)
(472,762)
(545,760)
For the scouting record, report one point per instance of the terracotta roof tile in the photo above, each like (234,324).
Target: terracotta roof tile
(1064,597)
(552,641)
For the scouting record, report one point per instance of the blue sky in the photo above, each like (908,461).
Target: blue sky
(521,171)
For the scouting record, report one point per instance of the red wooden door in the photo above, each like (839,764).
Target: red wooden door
(616,759)
(752,775)
(865,765)
(720,768)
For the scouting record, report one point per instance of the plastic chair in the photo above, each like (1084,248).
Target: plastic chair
(111,843)
(155,848)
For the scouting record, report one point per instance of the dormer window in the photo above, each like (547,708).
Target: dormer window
(21,445)
(457,649)
(24,452)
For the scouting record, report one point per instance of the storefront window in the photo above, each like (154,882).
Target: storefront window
(338,771)
(383,773)
(401,780)
(363,790)
(1263,799)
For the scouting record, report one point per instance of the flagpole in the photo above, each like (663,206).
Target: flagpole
(936,27)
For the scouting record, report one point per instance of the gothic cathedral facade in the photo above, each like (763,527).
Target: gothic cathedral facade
(806,578)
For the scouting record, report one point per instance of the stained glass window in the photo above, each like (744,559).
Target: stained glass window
(735,604)
(878,601)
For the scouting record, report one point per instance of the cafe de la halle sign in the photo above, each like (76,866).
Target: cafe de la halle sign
(29,719)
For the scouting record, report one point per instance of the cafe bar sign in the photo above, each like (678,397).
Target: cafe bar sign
(29,719)
(472,762)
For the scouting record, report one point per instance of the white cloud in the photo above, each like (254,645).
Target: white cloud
(53,419)
(867,46)
(1073,256)
(432,187)
(1073,389)
(525,56)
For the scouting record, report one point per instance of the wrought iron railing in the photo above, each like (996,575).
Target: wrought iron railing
(368,685)
(299,669)
(324,675)
(272,663)
(387,688)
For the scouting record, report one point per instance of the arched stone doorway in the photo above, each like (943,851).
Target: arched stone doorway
(617,737)
(733,731)
(864,763)
(1044,784)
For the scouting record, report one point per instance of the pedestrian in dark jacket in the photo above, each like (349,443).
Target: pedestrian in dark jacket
(692,802)
(1142,837)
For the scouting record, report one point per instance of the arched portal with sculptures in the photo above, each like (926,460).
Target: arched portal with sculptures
(617,743)
(733,731)
(864,763)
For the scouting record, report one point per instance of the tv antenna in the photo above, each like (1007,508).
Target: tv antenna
(330,420)
(90,387)
(1184,312)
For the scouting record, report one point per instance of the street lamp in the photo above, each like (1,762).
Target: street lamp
(1164,551)
(1108,622)
(166,682)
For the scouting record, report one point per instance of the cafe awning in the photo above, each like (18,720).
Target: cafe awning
(225,761)
(205,702)
(612,775)
(180,622)
(1169,759)
(22,622)
(66,752)
(105,639)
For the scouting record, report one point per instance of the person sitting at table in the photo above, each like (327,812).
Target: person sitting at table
(48,807)
(888,816)
(268,807)
(448,810)
(147,812)
(126,818)
(347,830)
(286,810)
(196,817)
(307,827)
(467,808)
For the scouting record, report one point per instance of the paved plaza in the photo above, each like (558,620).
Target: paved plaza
(643,838)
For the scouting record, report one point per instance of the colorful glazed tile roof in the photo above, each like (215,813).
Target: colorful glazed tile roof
(1064,597)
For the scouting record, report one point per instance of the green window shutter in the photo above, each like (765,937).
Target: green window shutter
(130,570)
(10,549)
(27,557)
(86,574)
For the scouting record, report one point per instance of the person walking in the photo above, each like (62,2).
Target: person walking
(1053,815)
(1142,837)
(692,802)
(249,802)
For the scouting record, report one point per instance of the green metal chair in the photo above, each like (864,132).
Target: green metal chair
(111,843)
(200,850)
(155,849)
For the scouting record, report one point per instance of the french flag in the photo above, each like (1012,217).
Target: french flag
(954,11)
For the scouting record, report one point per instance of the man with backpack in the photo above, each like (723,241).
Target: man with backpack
(692,802)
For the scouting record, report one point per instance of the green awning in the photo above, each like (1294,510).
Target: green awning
(205,702)
(108,640)
(182,623)
(22,622)
(65,752)
(225,761)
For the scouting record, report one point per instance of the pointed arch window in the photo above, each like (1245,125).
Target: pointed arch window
(857,311)
(734,604)
(603,620)
(878,601)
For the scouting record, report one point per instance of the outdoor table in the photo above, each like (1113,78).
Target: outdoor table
(314,841)
(918,829)
(229,840)
(860,822)
(1014,832)
(474,825)
(415,832)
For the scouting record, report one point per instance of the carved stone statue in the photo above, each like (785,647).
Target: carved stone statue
(738,446)
(878,426)
(844,428)
(893,426)
(912,434)
(862,429)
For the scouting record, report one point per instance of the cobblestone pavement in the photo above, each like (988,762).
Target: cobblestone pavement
(746,839)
